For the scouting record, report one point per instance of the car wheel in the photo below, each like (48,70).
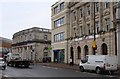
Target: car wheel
(4,67)
(81,68)
(98,70)
(110,72)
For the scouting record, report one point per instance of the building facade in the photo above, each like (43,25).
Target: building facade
(80,28)
(60,31)
(87,18)
(32,44)
(117,22)
(5,46)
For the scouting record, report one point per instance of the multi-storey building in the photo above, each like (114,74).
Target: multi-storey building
(117,24)
(60,31)
(82,18)
(33,43)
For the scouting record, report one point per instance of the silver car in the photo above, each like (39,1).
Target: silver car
(2,64)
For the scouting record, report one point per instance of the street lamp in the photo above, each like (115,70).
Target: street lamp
(94,46)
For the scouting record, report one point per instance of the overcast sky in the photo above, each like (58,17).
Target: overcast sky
(18,15)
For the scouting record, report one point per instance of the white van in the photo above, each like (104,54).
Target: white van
(99,63)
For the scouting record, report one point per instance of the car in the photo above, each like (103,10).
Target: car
(99,63)
(2,64)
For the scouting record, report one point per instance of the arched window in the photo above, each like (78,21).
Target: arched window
(104,49)
(72,54)
(79,52)
(86,50)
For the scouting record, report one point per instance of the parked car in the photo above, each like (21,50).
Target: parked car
(2,64)
(99,63)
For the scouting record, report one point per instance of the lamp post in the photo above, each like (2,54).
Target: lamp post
(94,41)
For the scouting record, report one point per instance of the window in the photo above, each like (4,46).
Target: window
(30,36)
(56,10)
(45,30)
(97,27)
(88,10)
(62,21)
(81,12)
(45,37)
(96,6)
(59,37)
(25,38)
(107,24)
(107,4)
(74,16)
(81,30)
(62,6)
(88,26)
(59,22)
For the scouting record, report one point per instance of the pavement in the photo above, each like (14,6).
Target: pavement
(67,66)
(61,65)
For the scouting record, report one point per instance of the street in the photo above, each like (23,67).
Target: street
(37,70)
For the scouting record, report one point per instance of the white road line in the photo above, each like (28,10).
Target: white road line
(56,68)
(5,75)
(49,67)
(110,76)
(77,71)
(43,66)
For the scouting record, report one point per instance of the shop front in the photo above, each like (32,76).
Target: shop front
(59,55)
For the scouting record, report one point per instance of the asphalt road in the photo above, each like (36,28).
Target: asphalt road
(39,71)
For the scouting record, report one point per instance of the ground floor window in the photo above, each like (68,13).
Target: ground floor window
(104,49)
(72,54)
(59,55)
(79,52)
(86,50)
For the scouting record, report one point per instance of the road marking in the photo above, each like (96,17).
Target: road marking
(77,71)
(110,76)
(49,67)
(56,68)
(5,75)
(43,66)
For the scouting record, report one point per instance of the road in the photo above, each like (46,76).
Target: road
(46,71)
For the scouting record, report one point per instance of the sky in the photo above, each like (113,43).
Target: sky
(23,14)
(17,15)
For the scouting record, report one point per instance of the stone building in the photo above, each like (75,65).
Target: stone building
(60,31)
(32,44)
(117,24)
(79,33)
(82,22)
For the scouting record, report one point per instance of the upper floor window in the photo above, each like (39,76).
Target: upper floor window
(59,22)
(81,30)
(45,37)
(88,10)
(30,36)
(81,12)
(74,16)
(59,37)
(56,10)
(25,38)
(107,4)
(97,26)
(107,24)
(62,6)
(96,6)
(88,26)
